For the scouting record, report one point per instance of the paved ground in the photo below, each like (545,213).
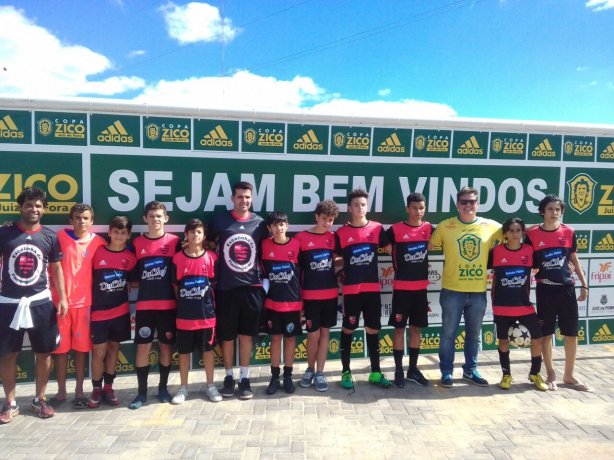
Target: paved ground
(462,422)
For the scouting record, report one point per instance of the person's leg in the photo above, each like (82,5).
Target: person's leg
(451,312)
(313,344)
(42,370)
(110,360)
(184,368)
(60,364)
(99,354)
(209,365)
(570,345)
(322,348)
(8,375)
(289,349)
(474,314)
(80,362)
(228,354)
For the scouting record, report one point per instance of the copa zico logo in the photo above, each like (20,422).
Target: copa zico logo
(264,137)
(469,249)
(61,128)
(432,143)
(352,140)
(581,192)
(176,133)
(429,341)
(508,145)
(579,147)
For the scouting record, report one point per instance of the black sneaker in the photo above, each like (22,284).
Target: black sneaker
(399,379)
(273,386)
(245,389)
(228,389)
(475,377)
(414,375)
(289,385)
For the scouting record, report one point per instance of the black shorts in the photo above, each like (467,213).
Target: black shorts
(201,339)
(367,303)
(557,303)
(160,321)
(44,336)
(320,313)
(531,322)
(412,306)
(287,323)
(113,330)
(238,311)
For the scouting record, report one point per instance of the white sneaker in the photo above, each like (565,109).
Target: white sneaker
(213,394)
(181,396)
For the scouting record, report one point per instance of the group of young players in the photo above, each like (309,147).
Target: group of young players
(243,274)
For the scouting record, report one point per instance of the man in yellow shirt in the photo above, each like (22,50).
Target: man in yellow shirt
(465,240)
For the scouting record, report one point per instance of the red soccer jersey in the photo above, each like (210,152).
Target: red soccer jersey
(195,299)
(358,246)
(552,251)
(280,262)
(410,255)
(319,281)
(154,271)
(512,280)
(111,275)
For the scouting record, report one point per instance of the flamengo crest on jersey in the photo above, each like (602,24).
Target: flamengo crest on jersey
(410,255)
(280,262)
(317,263)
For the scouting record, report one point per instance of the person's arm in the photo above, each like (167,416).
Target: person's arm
(573,258)
(57,275)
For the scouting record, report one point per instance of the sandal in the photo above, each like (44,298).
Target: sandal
(579,386)
(80,403)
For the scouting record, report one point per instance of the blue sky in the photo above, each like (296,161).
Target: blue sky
(506,59)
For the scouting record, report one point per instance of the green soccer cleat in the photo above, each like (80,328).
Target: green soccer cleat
(377,378)
(538,381)
(346,380)
(506,382)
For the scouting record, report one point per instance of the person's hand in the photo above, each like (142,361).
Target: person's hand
(62,308)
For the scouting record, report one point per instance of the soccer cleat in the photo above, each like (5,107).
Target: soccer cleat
(506,382)
(181,396)
(538,381)
(108,397)
(289,385)
(42,409)
(377,378)
(399,379)
(138,402)
(228,388)
(446,381)
(307,379)
(245,389)
(414,375)
(213,394)
(274,384)
(8,414)
(163,395)
(95,398)
(475,377)
(346,380)
(320,382)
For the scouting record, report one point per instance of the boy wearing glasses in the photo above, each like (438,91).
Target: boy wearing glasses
(465,240)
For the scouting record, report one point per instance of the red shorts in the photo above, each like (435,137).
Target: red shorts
(75,331)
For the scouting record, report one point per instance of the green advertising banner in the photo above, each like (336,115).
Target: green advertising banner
(386,345)
(216,135)
(508,146)
(431,143)
(261,137)
(60,128)
(583,238)
(25,367)
(15,127)
(579,148)
(429,339)
(489,337)
(470,144)
(391,142)
(167,133)
(582,336)
(348,140)
(218,359)
(590,195)
(201,186)
(115,130)
(545,147)
(603,241)
(59,174)
(309,139)
(605,149)
(300,351)
(600,330)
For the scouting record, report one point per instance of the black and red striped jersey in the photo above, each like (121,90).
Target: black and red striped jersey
(111,273)
(319,281)
(410,255)
(552,249)
(280,263)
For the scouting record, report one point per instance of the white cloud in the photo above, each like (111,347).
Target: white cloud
(384,92)
(600,5)
(136,53)
(406,108)
(195,22)
(39,65)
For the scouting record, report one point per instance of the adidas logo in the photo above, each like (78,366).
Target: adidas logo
(385,344)
(605,244)
(115,132)
(310,244)
(350,239)
(504,260)
(28,238)
(470,147)
(103,262)
(603,334)
(541,243)
(608,152)
(459,342)
(217,137)
(301,350)
(406,236)
(308,141)
(391,144)
(271,254)
(8,129)
(143,251)
(544,150)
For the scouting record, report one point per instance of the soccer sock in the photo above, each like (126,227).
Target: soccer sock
(413,357)
(275,371)
(504,359)
(398,360)
(141,375)
(287,371)
(97,383)
(373,347)
(108,380)
(244,372)
(229,372)
(164,371)
(346,349)
(536,365)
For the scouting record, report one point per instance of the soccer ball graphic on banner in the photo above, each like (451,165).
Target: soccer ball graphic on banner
(519,335)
